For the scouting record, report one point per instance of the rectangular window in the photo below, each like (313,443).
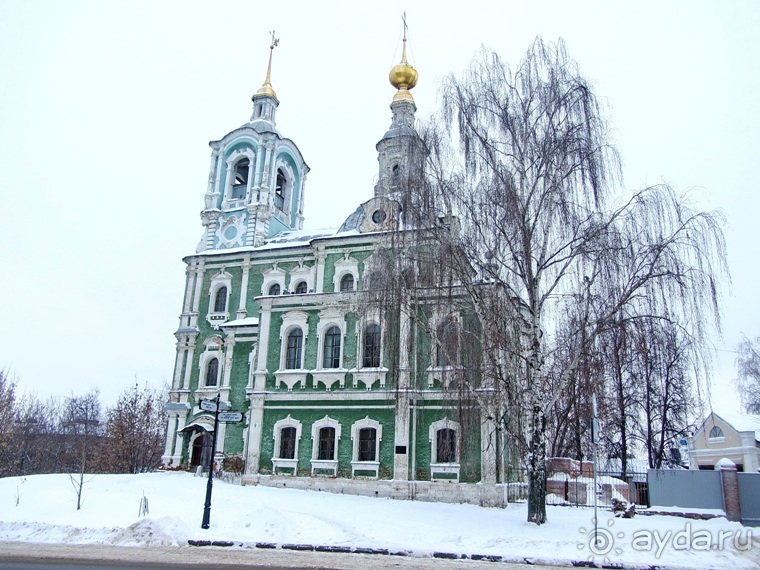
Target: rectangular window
(446,450)
(326,443)
(332,348)
(367,444)
(295,345)
(371,357)
(288,443)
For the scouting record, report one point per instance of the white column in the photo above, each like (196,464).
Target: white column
(229,347)
(190,273)
(188,363)
(178,439)
(401,434)
(487,449)
(249,184)
(198,287)
(319,286)
(178,360)
(256,417)
(241,312)
(171,434)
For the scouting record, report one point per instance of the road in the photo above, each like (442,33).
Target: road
(38,556)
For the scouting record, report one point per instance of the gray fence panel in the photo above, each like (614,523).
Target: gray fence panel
(685,488)
(749,497)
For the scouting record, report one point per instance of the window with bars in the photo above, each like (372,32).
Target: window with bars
(367,444)
(220,300)
(295,348)
(326,449)
(332,348)
(446,446)
(274,289)
(371,356)
(287,443)
(301,288)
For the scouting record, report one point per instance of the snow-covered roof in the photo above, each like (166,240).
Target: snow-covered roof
(741,422)
(246,322)
(286,239)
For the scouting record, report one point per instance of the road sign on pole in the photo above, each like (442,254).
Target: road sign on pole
(230,417)
(208,405)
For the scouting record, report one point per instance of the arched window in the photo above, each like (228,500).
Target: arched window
(279,190)
(287,443)
(326,449)
(347,282)
(301,288)
(274,289)
(240,182)
(212,372)
(367,444)
(447,346)
(371,356)
(446,446)
(332,348)
(716,432)
(295,348)
(220,300)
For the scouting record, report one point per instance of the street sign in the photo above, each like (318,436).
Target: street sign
(208,405)
(229,417)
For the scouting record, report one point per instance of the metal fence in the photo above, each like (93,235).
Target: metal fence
(685,488)
(577,489)
(749,497)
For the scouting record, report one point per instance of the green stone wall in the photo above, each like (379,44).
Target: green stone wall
(346,414)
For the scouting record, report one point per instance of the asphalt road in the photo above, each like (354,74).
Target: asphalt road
(39,556)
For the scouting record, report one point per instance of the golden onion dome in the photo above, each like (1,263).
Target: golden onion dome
(403,76)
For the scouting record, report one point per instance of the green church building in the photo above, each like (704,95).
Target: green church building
(337,391)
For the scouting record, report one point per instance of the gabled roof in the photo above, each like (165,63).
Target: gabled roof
(739,421)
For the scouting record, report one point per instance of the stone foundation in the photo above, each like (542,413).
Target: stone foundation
(428,491)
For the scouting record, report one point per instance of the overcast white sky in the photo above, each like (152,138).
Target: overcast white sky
(106,109)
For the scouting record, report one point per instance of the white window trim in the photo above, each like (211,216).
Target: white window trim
(302,273)
(357,465)
(324,464)
(444,468)
(345,266)
(272,276)
(287,193)
(236,156)
(369,375)
(451,372)
(278,462)
(329,376)
(292,376)
(221,279)
(209,353)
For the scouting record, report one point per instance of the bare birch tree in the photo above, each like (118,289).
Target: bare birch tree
(523,161)
(748,381)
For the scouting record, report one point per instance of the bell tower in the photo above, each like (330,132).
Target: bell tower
(256,179)
(398,150)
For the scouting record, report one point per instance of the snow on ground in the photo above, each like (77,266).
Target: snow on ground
(42,508)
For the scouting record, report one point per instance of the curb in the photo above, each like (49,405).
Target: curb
(435,554)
